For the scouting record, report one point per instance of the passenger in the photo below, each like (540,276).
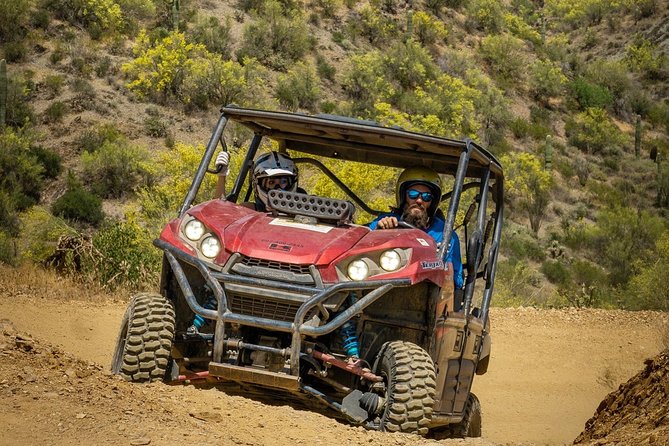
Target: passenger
(418,193)
(271,170)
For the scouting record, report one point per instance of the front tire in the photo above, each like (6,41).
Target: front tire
(410,387)
(144,343)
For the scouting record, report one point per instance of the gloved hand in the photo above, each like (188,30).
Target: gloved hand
(223,159)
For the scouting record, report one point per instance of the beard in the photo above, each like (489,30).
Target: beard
(416,215)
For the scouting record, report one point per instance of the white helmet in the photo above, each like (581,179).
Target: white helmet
(273,164)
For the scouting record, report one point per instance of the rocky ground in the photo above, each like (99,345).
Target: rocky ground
(550,371)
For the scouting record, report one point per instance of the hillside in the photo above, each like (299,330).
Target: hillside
(579,73)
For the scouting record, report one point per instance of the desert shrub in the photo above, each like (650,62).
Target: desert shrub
(14,18)
(19,112)
(79,205)
(8,249)
(51,161)
(492,108)
(92,139)
(104,67)
(275,39)
(505,57)
(14,51)
(593,132)
(520,28)
(640,57)
(588,94)
(94,15)
(117,169)
(648,288)
(556,47)
(21,173)
(435,6)
(160,67)
(612,75)
(519,127)
(40,232)
(528,186)
(623,236)
(409,64)
(518,243)
(137,9)
(546,80)
(428,29)
(378,28)
(299,88)
(556,272)
(54,84)
(155,126)
(55,112)
(485,15)
(587,286)
(329,8)
(209,32)
(220,82)
(174,174)
(517,284)
(125,257)
(324,68)
(364,82)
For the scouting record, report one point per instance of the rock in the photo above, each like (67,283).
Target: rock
(24,343)
(140,441)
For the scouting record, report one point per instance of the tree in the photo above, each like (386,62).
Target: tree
(528,186)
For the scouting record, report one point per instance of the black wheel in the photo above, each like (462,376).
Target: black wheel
(144,343)
(410,387)
(470,426)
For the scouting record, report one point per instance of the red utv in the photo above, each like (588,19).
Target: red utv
(287,292)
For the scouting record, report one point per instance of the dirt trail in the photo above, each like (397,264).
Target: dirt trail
(548,373)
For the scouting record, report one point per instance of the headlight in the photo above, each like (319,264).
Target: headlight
(358,270)
(210,247)
(194,230)
(390,260)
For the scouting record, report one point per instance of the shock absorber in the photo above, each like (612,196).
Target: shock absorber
(210,304)
(348,333)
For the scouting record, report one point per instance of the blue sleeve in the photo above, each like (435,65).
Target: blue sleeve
(453,255)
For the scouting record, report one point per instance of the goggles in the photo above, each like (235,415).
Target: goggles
(280,182)
(413,194)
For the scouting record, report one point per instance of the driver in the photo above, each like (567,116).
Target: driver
(418,193)
(271,170)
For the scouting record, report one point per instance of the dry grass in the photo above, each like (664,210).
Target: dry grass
(31,280)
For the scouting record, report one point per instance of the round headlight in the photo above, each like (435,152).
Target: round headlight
(390,260)
(358,270)
(210,247)
(194,230)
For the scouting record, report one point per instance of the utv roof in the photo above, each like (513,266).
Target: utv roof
(364,141)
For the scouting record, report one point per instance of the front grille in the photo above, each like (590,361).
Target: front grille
(259,306)
(271,264)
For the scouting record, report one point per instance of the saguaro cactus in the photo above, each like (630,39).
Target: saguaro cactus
(548,153)
(409,33)
(3,92)
(175,15)
(637,137)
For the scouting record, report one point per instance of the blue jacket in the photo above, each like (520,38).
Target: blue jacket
(436,231)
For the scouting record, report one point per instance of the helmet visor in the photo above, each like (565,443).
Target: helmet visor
(283,182)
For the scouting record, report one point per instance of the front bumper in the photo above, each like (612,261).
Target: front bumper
(315,296)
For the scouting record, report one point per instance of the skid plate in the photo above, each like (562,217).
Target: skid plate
(250,375)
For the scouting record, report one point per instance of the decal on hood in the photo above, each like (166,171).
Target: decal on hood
(432,265)
(423,242)
(293,224)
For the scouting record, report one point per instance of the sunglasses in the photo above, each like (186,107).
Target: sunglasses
(413,194)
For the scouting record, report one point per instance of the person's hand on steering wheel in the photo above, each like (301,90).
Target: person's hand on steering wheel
(389,222)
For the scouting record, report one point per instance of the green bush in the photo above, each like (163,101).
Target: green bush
(588,94)
(95,16)
(505,57)
(518,243)
(275,39)
(40,234)
(125,257)
(51,161)
(299,88)
(556,272)
(21,173)
(117,169)
(79,205)
(14,52)
(92,139)
(428,29)
(593,132)
(324,68)
(54,84)
(215,37)
(546,80)
(364,82)
(376,26)
(8,250)
(14,19)
(648,288)
(55,112)
(486,15)
(519,127)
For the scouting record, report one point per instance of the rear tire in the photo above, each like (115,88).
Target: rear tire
(145,341)
(410,387)
(470,426)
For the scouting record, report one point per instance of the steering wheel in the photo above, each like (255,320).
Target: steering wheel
(404,225)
